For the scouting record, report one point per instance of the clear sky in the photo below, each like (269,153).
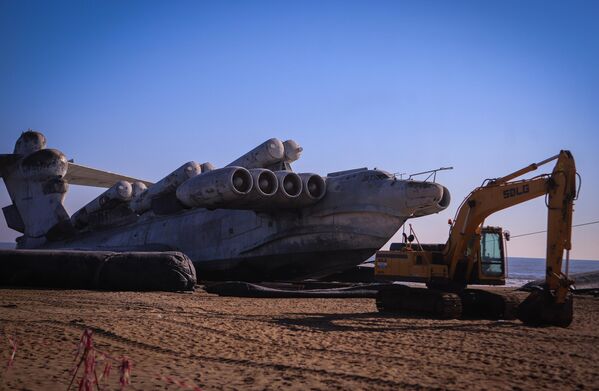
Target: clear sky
(484,86)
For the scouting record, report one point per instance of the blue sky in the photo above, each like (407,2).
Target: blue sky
(485,87)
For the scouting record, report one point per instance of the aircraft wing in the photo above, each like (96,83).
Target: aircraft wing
(87,176)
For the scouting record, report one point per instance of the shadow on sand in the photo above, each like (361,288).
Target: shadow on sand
(378,322)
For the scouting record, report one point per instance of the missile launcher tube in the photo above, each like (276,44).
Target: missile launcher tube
(137,188)
(207,167)
(269,152)
(120,192)
(293,151)
(168,184)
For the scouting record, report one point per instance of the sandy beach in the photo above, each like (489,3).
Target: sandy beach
(181,341)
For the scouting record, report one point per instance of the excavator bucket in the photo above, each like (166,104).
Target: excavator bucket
(540,309)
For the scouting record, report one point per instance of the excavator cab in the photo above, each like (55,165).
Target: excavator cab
(490,263)
(424,262)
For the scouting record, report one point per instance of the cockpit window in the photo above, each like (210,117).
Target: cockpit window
(366,175)
(375,175)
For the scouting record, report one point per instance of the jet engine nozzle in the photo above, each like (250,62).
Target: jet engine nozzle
(264,187)
(289,190)
(216,188)
(314,186)
(242,181)
(265,182)
(313,189)
(290,184)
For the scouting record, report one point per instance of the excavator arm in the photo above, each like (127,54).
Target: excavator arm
(480,204)
(552,306)
(562,193)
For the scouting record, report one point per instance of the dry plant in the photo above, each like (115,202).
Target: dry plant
(88,357)
(13,346)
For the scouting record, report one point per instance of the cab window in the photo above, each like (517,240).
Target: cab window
(491,251)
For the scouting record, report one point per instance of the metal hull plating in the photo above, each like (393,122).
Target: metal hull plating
(246,245)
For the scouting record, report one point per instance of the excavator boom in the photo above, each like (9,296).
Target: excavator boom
(481,203)
(562,192)
(454,267)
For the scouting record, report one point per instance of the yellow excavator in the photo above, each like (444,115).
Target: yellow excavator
(474,254)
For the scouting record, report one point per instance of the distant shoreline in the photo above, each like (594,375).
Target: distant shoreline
(543,259)
(10,245)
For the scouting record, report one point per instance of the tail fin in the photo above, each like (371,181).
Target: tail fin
(37,181)
(34,179)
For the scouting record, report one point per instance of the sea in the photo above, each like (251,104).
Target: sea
(523,270)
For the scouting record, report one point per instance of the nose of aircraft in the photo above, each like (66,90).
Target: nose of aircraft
(425,197)
(446,199)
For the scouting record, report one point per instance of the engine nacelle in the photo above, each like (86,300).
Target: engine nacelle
(313,189)
(216,188)
(269,152)
(290,184)
(264,187)
(290,189)
(119,193)
(266,183)
(168,184)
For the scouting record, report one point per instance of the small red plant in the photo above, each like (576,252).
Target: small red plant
(125,371)
(13,346)
(89,356)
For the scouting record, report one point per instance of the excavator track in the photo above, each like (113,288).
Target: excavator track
(406,300)
(483,304)
(469,303)
(448,306)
